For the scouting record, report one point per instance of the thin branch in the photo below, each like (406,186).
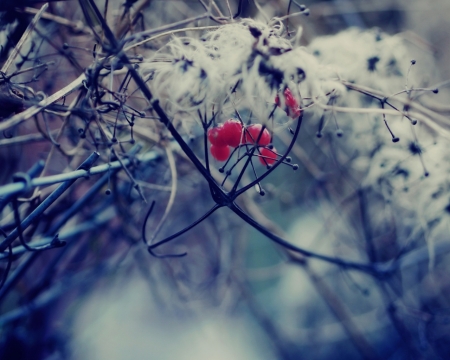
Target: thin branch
(77,26)
(54,179)
(163,28)
(179,233)
(173,192)
(46,203)
(278,162)
(171,32)
(22,40)
(23,116)
(346,264)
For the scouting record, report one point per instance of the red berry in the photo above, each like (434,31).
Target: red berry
(220,153)
(232,132)
(291,101)
(291,104)
(293,110)
(215,136)
(268,157)
(252,133)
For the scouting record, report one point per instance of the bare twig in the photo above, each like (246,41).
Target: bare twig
(55,179)
(75,26)
(25,115)
(22,40)
(173,192)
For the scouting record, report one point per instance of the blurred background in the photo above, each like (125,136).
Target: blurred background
(236,295)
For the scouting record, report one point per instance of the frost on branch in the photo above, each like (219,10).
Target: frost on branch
(242,64)
(402,166)
(370,58)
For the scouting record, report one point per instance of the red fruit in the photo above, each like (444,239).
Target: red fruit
(252,133)
(220,153)
(268,157)
(216,137)
(291,104)
(291,101)
(232,132)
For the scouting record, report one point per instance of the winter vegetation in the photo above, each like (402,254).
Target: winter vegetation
(228,179)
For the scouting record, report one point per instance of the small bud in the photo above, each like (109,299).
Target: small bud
(413,62)
(395,139)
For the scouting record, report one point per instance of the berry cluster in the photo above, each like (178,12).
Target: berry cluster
(291,104)
(224,136)
(233,134)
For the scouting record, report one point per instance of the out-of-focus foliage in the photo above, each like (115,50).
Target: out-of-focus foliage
(371,187)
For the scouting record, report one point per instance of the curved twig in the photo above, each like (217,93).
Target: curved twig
(367,268)
(181,232)
(173,191)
